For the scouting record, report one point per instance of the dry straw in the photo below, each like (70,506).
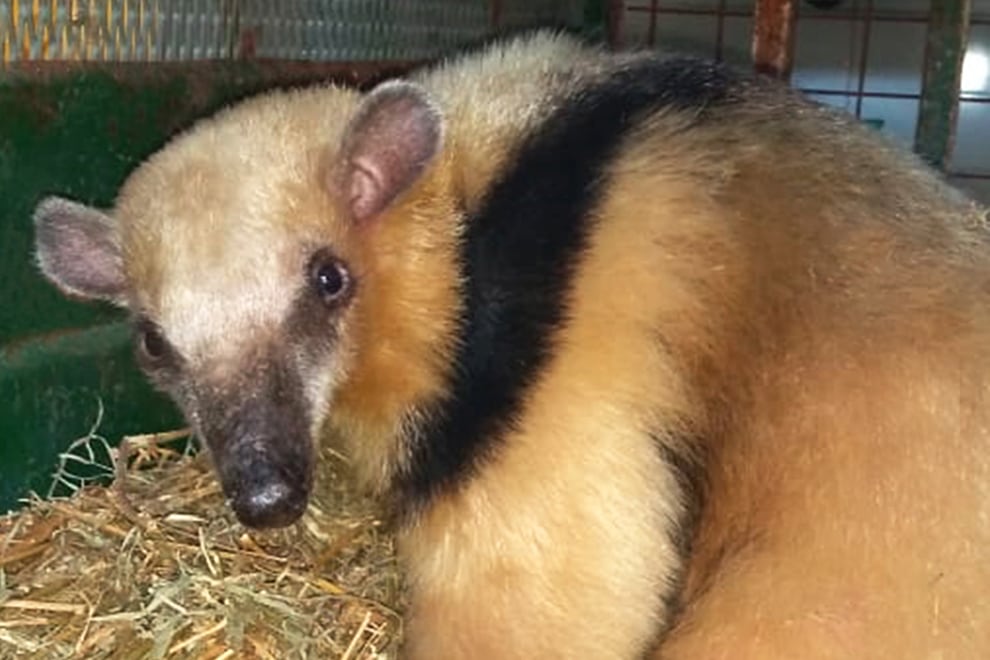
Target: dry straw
(155,566)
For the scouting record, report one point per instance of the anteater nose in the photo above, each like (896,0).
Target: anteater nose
(272,504)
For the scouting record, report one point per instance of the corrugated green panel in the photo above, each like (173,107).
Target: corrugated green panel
(52,390)
(79,136)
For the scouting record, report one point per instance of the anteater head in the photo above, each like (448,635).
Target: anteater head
(268,259)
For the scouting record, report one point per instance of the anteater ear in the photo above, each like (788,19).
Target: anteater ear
(387,147)
(78,249)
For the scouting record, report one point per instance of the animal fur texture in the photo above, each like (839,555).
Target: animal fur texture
(650,357)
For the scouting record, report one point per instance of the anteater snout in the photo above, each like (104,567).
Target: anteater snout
(264,491)
(274,504)
(260,442)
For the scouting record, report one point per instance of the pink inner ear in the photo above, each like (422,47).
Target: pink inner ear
(388,146)
(367,185)
(77,249)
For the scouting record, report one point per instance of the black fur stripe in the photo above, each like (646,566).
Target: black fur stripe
(519,256)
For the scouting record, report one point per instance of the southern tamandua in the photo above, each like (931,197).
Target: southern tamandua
(650,356)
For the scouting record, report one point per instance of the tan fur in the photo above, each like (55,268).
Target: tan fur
(845,333)
(489,101)
(850,486)
(792,304)
(236,232)
(492,98)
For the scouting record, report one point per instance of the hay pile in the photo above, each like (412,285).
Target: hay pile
(155,566)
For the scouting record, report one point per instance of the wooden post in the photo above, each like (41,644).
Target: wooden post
(614,18)
(495,15)
(948,28)
(773,37)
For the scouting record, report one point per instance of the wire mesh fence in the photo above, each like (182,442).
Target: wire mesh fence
(864,56)
(321,30)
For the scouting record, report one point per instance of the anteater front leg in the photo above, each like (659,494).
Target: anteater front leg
(564,546)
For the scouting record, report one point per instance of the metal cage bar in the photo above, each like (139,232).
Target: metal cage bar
(934,99)
(317,30)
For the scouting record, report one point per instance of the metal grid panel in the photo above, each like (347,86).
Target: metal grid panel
(511,14)
(645,22)
(194,29)
(716,23)
(327,30)
(359,29)
(79,30)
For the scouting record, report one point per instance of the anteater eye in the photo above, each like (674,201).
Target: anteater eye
(329,277)
(151,341)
